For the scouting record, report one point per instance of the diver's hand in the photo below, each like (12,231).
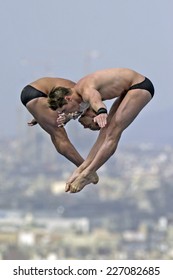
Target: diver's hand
(101,120)
(32,122)
(63,118)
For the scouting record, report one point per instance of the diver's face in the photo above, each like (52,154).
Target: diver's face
(88,122)
(71,106)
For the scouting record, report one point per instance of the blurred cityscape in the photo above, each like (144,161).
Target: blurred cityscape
(127,215)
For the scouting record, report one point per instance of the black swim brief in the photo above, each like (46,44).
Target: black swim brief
(29,93)
(146,84)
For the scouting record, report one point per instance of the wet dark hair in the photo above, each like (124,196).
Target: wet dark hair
(56,98)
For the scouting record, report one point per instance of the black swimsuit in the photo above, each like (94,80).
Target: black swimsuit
(146,84)
(29,93)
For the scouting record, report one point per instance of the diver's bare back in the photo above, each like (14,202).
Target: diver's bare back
(110,83)
(46,84)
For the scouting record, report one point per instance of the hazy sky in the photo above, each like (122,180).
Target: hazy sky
(71,38)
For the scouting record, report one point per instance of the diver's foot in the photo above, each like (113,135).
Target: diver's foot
(93,178)
(82,181)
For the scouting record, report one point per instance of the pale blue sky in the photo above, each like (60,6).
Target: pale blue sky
(72,38)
